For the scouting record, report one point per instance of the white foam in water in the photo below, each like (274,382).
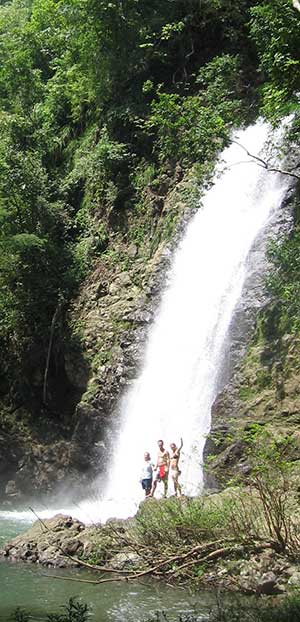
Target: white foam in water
(173,395)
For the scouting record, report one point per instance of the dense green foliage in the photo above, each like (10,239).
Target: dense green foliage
(275,30)
(92,92)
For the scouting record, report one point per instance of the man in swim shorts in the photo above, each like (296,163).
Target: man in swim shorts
(162,468)
(174,466)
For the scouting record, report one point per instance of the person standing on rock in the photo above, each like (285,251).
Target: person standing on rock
(174,466)
(147,474)
(162,468)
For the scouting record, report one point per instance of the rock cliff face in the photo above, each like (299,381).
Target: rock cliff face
(109,324)
(264,391)
(263,378)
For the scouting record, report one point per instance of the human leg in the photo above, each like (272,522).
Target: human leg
(148,487)
(154,484)
(177,486)
(144,483)
(165,483)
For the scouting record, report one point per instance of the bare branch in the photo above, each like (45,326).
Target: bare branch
(264,164)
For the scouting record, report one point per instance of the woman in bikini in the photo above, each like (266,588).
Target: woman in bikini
(174,466)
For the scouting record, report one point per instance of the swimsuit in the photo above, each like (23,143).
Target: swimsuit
(162,471)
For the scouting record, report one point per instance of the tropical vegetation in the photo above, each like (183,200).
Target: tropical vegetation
(97,99)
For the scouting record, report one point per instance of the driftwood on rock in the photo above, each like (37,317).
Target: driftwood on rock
(153,570)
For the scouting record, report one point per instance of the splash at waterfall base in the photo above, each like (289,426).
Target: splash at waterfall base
(223,540)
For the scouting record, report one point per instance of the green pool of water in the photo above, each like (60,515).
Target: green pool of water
(37,590)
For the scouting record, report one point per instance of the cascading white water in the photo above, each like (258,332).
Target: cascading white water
(173,395)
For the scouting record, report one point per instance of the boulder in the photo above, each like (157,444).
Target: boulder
(125,561)
(48,542)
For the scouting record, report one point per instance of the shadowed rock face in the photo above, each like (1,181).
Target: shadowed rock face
(110,319)
(10,456)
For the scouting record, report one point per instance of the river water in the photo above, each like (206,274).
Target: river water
(37,590)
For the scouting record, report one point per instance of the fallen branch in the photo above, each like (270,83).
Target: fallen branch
(219,553)
(213,555)
(53,576)
(153,569)
(136,575)
(195,555)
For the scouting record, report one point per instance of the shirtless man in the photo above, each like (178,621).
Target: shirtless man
(174,465)
(162,468)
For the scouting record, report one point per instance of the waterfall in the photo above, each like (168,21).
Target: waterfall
(179,382)
(180,379)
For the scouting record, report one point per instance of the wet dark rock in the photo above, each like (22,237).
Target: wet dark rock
(72,547)
(10,454)
(76,370)
(41,466)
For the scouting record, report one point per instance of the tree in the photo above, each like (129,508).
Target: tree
(275,31)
